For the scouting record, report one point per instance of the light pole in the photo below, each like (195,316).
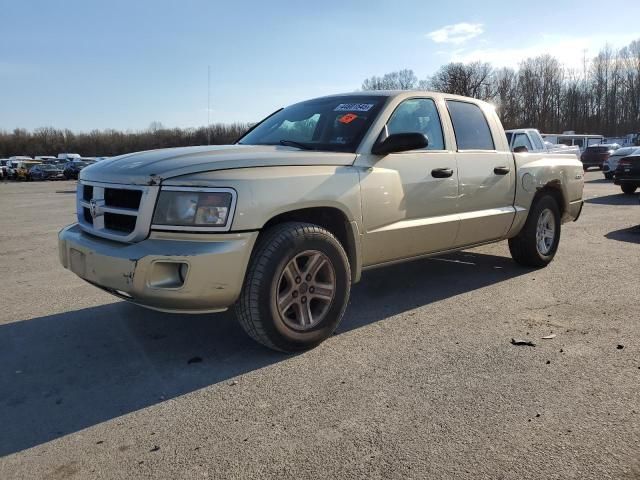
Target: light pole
(208,104)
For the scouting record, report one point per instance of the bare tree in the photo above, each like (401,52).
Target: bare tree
(508,96)
(400,80)
(469,79)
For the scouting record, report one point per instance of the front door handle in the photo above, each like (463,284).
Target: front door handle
(501,170)
(441,172)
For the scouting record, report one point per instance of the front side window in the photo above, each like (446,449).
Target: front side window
(336,123)
(418,115)
(470,126)
(522,140)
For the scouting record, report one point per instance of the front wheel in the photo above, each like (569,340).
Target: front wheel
(628,188)
(608,175)
(296,287)
(537,242)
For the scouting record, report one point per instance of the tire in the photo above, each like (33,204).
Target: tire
(279,252)
(608,175)
(628,188)
(525,247)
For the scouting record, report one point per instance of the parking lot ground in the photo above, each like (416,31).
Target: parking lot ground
(420,381)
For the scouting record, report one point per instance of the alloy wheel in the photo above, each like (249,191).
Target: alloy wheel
(305,290)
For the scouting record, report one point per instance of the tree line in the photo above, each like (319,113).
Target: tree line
(110,142)
(603,97)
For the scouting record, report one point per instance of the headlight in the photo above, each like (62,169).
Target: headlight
(187,208)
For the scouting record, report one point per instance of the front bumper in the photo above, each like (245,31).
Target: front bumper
(144,272)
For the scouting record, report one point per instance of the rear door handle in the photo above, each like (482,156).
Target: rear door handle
(441,172)
(501,170)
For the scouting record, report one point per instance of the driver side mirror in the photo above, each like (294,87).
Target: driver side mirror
(400,142)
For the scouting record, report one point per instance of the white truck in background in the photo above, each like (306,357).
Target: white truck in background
(531,140)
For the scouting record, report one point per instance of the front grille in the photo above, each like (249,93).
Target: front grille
(116,212)
(86,213)
(87,192)
(119,223)
(114,197)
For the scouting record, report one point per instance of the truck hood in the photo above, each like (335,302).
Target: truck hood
(154,166)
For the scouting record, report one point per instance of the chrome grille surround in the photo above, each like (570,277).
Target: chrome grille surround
(143,214)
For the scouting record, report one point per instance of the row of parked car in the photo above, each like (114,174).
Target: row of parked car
(43,168)
(620,164)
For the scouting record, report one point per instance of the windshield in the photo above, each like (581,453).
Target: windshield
(331,123)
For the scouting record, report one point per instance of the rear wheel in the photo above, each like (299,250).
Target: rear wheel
(537,242)
(296,288)
(608,175)
(628,188)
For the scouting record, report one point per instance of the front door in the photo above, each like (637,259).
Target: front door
(409,198)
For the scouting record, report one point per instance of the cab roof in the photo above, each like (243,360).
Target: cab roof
(403,94)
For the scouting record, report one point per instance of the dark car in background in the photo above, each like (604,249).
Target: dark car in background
(72,169)
(596,155)
(627,174)
(611,164)
(45,172)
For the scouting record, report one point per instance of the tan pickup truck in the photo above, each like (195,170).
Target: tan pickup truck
(282,223)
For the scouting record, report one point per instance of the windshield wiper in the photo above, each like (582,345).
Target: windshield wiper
(293,143)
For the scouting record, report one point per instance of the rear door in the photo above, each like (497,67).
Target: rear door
(486,173)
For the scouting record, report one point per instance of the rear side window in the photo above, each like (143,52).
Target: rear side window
(470,126)
(598,149)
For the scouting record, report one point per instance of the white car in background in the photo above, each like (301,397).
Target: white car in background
(610,164)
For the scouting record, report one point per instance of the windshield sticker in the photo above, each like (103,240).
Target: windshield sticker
(347,118)
(353,107)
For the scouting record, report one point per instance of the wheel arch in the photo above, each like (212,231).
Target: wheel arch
(553,188)
(332,219)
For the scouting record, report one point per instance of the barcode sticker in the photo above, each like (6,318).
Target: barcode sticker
(353,107)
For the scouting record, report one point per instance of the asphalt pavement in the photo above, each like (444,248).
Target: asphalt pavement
(420,381)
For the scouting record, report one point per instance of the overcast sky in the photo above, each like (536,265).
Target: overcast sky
(123,64)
